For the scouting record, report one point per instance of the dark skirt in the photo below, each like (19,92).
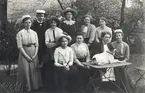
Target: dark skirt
(121,74)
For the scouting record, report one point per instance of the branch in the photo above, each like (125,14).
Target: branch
(60,4)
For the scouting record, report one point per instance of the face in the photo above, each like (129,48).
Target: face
(79,39)
(27,23)
(64,42)
(40,17)
(107,38)
(119,37)
(87,20)
(53,24)
(69,15)
(102,22)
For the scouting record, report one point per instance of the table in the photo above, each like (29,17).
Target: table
(114,65)
(141,72)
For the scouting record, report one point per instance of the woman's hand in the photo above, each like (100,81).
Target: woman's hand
(81,65)
(29,59)
(50,45)
(33,57)
(67,68)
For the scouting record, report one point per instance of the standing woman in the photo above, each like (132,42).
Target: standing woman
(63,57)
(52,36)
(69,25)
(88,30)
(27,42)
(122,54)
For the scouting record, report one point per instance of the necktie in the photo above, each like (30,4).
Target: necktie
(54,34)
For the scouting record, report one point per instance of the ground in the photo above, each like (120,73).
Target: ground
(7,82)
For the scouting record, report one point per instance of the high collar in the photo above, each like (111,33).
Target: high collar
(39,21)
(70,22)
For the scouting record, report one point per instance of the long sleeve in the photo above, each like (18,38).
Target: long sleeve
(92,34)
(88,54)
(56,55)
(19,40)
(127,53)
(97,36)
(71,57)
(36,38)
(46,37)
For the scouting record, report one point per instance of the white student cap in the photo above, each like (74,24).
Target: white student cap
(40,11)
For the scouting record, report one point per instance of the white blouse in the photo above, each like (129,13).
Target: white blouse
(63,56)
(49,35)
(81,50)
(25,37)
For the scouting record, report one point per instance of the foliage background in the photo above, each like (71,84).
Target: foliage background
(111,9)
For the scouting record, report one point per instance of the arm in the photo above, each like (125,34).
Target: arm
(46,38)
(97,36)
(92,34)
(75,58)
(19,44)
(56,58)
(88,54)
(71,56)
(127,53)
(36,45)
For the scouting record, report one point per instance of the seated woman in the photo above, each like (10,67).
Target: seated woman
(63,57)
(102,45)
(81,54)
(122,53)
(81,50)
(106,57)
(100,48)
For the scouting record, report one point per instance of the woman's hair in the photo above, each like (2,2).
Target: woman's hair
(62,38)
(103,18)
(110,47)
(119,32)
(25,19)
(104,33)
(79,34)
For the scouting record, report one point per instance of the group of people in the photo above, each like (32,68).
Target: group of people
(56,50)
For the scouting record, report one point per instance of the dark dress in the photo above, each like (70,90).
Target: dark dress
(70,29)
(96,48)
(40,29)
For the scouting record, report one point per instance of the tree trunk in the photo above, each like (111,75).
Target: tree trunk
(3,10)
(122,13)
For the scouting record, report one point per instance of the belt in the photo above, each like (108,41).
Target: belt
(29,44)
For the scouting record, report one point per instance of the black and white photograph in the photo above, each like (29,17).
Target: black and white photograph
(72,46)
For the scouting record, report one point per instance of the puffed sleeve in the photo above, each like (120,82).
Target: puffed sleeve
(46,37)
(36,38)
(19,40)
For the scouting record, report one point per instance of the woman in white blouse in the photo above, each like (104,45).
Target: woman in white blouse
(81,55)
(63,57)
(81,50)
(27,42)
